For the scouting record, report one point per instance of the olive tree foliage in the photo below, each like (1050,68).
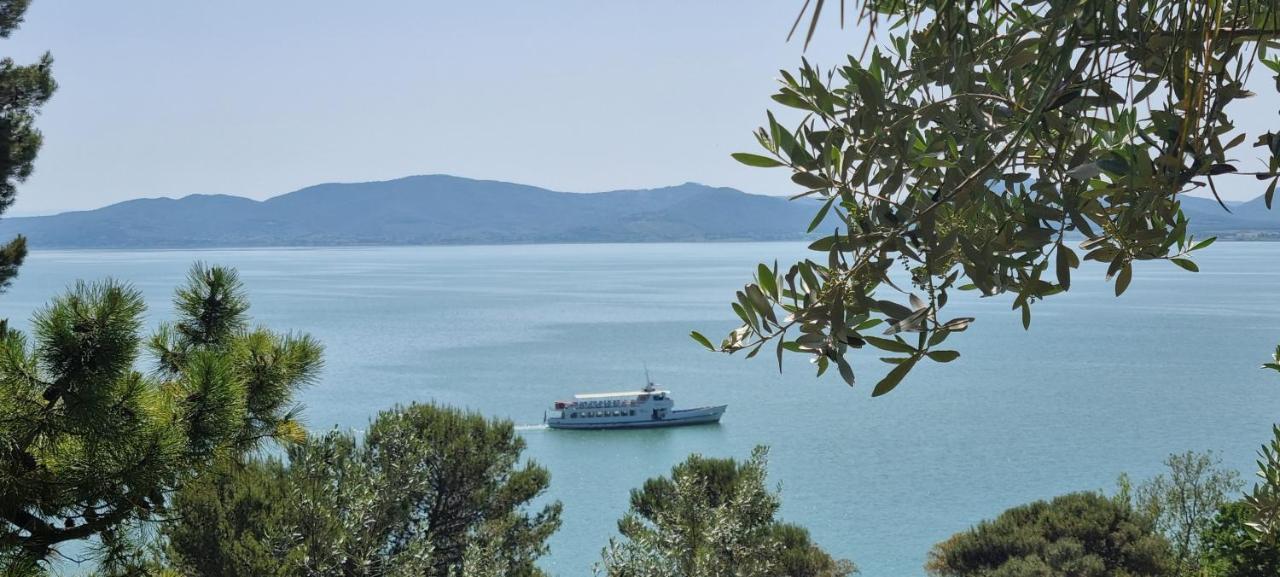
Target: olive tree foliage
(24,88)
(713,518)
(1184,502)
(1264,498)
(91,445)
(1074,535)
(430,491)
(994,145)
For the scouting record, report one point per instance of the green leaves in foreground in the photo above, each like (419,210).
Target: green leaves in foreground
(95,446)
(995,147)
(1264,500)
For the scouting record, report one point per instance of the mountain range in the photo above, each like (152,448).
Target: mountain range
(440,209)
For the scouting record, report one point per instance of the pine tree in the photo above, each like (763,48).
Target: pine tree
(23,90)
(91,446)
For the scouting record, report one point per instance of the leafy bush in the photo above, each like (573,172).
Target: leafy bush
(713,518)
(1075,535)
(430,491)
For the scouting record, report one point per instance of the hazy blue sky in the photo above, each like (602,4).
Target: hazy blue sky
(258,98)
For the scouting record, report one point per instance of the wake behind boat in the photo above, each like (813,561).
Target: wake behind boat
(650,407)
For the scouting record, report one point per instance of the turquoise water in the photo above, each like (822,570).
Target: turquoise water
(1099,386)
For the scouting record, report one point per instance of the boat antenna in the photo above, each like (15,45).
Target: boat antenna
(648,383)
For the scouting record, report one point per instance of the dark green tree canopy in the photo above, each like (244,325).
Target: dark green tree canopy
(713,518)
(231,521)
(994,145)
(91,445)
(430,491)
(23,90)
(1231,549)
(1075,535)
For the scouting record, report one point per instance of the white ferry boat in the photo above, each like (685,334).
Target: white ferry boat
(650,407)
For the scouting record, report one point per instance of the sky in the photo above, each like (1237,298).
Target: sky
(259,98)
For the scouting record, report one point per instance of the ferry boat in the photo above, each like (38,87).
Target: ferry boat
(650,407)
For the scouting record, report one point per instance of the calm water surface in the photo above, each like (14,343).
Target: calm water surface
(1099,386)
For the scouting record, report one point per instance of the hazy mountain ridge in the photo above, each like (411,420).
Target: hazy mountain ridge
(434,209)
(1250,220)
(439,209)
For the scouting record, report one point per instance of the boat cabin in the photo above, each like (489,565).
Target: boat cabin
(649,407)
(621,404)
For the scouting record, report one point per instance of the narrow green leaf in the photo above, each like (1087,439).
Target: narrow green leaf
(1122,279)
(1064,268)
(943,356)
(867,324)
(755,160)
(1186,264)
(894,377)
(889,345)
(822,214)
(781,345)
(846,371)
(810,180)
(767,281)
(1204,243)
(697,336)
(894,310)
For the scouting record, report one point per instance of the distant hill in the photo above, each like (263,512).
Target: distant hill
(438,209)
(433,209)
(1247,220)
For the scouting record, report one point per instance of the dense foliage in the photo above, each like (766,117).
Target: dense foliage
(1265,497)
(1075,535)
(995,145)
(91,445)
(713,518)
(1184,503)
(23,90)
(1231,550)
(429,491)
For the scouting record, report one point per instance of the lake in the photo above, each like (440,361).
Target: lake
(1098,386)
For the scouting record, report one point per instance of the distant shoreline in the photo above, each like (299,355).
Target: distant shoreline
(443,210)
(197,248)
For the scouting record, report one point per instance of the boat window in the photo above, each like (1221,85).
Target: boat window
(633,412)
(573,415)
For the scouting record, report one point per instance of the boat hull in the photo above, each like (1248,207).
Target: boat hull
(678,418)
